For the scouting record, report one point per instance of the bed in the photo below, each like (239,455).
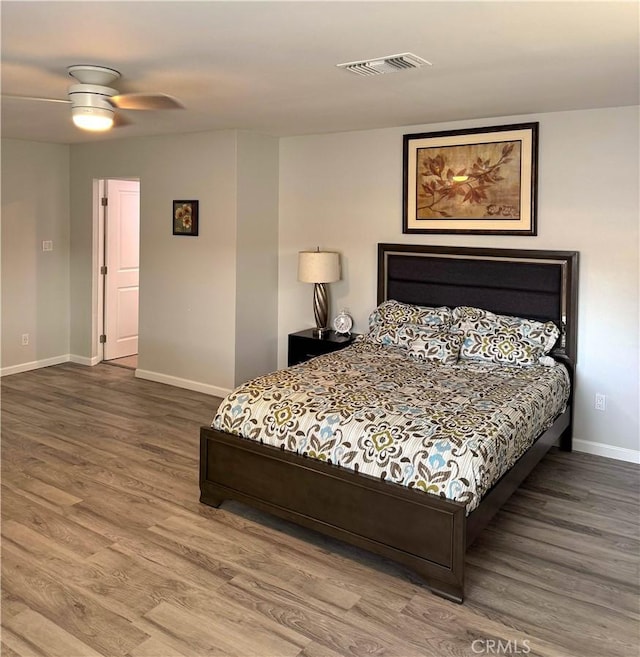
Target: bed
(428,532)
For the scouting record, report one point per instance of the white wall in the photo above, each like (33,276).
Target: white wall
(344,192)
(256,256)
(35,284)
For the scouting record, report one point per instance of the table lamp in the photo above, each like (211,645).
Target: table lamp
(319,267)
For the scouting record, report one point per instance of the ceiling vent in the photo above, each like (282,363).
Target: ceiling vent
(389,64)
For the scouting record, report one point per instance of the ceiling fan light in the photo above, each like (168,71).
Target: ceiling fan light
(95,119)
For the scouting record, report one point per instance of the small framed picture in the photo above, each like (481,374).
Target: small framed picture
(185,218)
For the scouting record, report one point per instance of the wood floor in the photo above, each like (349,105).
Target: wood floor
(107,551)
(130,362)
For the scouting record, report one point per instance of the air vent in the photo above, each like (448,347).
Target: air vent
(389,64)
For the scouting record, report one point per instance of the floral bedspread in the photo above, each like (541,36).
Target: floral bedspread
(449,430)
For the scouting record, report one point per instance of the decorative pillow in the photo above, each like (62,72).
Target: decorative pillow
(389,333)
(501,338)
(435,344)
(394,312)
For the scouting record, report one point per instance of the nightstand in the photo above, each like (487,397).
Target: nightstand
(303,345)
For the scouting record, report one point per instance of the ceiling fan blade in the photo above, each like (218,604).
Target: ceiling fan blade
(36,98)
(142,101)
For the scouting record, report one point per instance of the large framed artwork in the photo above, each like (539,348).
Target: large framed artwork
(479,180)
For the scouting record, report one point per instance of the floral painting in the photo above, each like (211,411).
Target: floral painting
(471,181)
(185,218)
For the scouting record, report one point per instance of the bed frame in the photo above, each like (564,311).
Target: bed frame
(427,533)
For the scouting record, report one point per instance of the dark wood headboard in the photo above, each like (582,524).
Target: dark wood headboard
(541,285)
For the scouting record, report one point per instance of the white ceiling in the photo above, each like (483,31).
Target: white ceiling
(270,66)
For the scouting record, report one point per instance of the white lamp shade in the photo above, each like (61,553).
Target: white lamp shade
(318,266)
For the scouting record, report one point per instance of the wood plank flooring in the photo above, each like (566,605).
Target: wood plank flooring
(130,362)
(106,550)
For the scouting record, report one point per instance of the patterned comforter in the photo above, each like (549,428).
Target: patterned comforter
(448,430)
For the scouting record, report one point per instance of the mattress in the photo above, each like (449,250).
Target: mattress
(451,430)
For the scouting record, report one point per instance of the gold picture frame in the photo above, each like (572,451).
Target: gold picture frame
(478,180)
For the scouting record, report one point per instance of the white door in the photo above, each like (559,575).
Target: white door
(122,259)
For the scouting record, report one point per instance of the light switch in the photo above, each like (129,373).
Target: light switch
(47,245)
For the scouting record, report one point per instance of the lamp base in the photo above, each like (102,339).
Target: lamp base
(321,333)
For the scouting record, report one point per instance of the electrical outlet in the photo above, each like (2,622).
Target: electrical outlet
(47,245)
(600,403)
(25,339)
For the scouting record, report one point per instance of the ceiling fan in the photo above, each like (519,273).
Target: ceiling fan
(94,102)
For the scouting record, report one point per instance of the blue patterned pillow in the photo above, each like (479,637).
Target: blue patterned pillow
(437,344)
(388,321)
(394,312)
(388,333)
(501,338)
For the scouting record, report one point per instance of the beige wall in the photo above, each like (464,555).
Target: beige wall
(344,192)
(256,256)
(35,284)
(188,286)
(208,305)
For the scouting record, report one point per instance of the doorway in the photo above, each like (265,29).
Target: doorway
(119,270)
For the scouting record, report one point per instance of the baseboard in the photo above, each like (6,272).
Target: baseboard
(83,360)
(34,365)
(187,384)
(609,451)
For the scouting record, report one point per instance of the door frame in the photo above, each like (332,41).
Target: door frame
(98,260)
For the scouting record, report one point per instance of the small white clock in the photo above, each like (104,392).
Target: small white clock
(343,323)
